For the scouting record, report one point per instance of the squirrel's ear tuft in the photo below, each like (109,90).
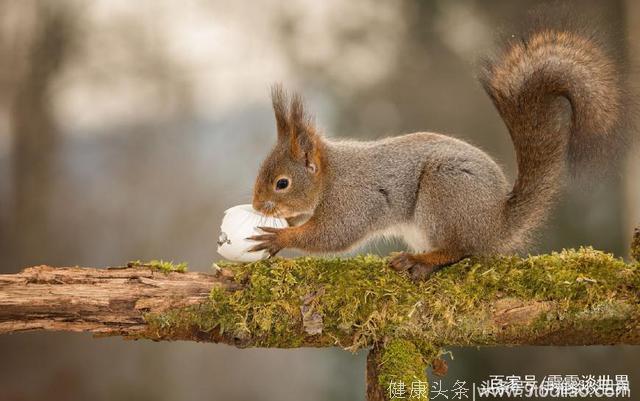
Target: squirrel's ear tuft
(295,127)
(304,138)
(279,101)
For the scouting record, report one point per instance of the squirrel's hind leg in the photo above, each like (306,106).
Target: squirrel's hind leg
(422,265)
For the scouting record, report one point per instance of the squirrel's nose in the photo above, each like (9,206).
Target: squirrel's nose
(266,206)
(257,205)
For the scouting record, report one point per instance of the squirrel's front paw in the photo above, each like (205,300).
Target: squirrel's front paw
(417,269)
(273,241)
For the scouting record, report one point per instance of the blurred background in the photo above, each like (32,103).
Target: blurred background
(128,127)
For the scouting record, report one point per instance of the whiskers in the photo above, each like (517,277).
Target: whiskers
(271,216)
(278,215)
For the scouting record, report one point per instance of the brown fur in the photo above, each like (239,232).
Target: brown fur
(558,94)
(298,147)
(422,265)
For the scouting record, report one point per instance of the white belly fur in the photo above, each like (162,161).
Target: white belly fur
(414,236)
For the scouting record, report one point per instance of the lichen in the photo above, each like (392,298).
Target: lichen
(160,265)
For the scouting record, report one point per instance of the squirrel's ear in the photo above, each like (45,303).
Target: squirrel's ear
(304,138)
(279,101)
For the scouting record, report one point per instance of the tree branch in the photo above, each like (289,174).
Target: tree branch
(579,297)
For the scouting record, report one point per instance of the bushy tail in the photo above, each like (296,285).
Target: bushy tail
(561,99)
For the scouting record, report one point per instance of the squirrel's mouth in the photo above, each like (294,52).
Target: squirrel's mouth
(271,209)
(279,213)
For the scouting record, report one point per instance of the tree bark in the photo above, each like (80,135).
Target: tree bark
(110,301)
(375,392)
(582,297)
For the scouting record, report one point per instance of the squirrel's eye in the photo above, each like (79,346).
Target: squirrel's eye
(282,183)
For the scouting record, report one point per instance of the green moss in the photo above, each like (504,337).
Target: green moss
(459,300)
(605,322)
(581,296)
(402,362)
(360,300)
(363,302)
(160,265)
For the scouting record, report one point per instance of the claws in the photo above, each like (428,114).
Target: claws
(268,241)
(262,237)
(401,261)
(269,229)
(418,271)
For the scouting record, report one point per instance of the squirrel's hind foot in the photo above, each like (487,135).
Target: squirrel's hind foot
(417,270)
(421,266)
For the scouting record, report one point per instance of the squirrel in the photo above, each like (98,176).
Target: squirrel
(561,99)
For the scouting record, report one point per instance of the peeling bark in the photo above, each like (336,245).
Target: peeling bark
(582,297)
(110,301)
(120,300)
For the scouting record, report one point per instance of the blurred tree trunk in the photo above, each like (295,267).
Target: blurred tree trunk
(46,36)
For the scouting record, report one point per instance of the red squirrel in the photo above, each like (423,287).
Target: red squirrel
(558,94)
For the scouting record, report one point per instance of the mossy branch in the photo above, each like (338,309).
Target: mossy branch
(578,297)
